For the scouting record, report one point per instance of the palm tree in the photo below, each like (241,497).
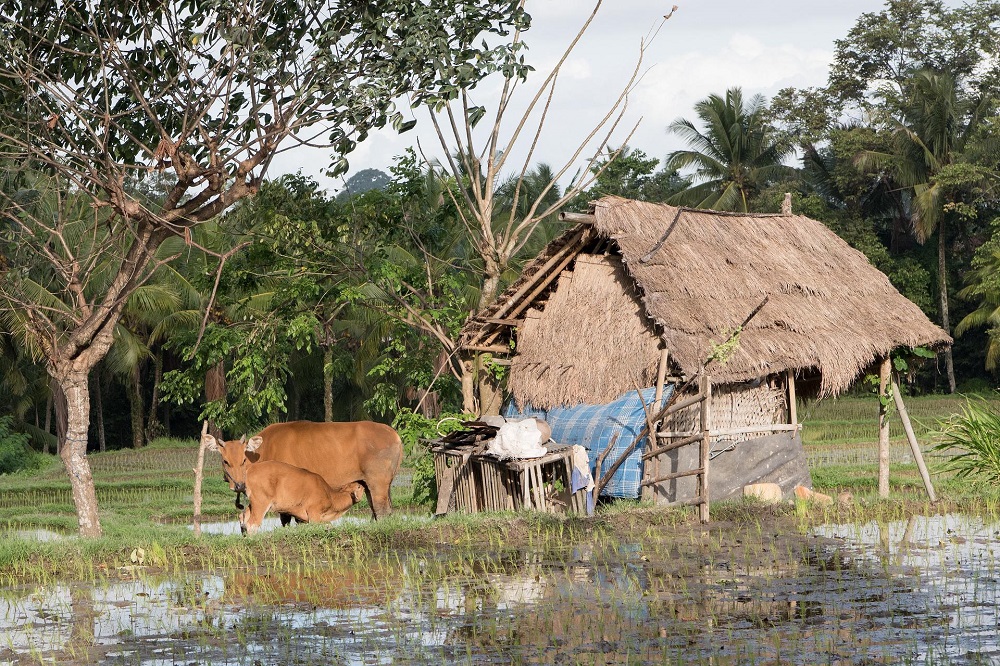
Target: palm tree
(984,287)
(929,159)
(147,309)
(734,157)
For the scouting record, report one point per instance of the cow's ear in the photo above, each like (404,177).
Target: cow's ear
(254,443)
(211,443)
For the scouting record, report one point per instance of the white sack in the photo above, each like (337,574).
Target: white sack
(518,439)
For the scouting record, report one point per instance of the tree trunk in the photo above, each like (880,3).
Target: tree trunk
(949,363)
(469,405)
(294,400)
(62,417)
(490,392)
(48,421)
(154,428)
(74,451)
(99,412)
(215,389)
(135,403)
(328,381)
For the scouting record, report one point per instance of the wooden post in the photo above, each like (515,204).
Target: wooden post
(883,428)
(706,444)
(649,492)
(199,473)
(793,416)
(912,438)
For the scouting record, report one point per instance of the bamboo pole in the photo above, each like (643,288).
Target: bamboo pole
(904,416)
(793,416)
(883,428)
(199,472)
(649,492)
(706,445)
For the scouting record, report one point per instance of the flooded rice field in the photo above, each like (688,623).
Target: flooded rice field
(918,591)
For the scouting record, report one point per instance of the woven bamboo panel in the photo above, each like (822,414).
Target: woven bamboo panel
(736,406)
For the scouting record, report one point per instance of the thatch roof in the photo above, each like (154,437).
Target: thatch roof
(698,274)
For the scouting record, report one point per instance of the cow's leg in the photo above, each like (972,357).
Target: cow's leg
(378,498)
(252,517)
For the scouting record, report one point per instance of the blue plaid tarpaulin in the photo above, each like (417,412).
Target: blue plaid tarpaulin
(593,426)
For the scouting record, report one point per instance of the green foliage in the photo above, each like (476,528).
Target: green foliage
(983,291)
(416,430)
(735,156)
(256,357)
(631,175)
(883,49)
(15,454)
(972,442)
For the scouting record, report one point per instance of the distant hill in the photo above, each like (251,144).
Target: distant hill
(364,180)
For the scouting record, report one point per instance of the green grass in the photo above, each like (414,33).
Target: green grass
(844,431)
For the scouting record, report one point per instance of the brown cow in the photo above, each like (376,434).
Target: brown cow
(294,491)
(340,452)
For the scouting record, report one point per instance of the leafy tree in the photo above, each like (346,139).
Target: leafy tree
(983,289)
(874,64)
(929,158)
(734,157)
(210,92)
(629,173)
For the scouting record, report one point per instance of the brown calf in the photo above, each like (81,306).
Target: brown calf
(340,452)
(294,491)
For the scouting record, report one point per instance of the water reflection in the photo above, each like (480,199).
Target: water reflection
(923,590)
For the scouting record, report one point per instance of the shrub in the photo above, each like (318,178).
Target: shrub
(415,430)
(15,454)
(972,442)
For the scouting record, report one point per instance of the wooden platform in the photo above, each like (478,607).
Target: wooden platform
(471,481)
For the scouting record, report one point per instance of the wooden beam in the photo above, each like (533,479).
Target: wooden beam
(673,475)
(660,450)
(678,406)
(912,438)
(499,321)
(582,237)
(792,407)
(493,349)
(745,430)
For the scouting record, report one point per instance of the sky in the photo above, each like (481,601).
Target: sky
(707,47)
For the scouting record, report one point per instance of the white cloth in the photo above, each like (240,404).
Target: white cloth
(517,439)
(581,466)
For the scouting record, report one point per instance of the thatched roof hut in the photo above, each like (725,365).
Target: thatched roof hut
(593,309)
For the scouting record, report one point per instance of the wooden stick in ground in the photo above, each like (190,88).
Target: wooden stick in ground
(199,471)
(904,416)
(600,461)
(883,428)
(706,446)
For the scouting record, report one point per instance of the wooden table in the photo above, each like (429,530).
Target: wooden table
(473,481)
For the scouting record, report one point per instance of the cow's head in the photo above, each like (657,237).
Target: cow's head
(237,456)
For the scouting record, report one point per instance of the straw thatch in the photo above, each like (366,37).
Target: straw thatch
(698,274)
(596,301)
